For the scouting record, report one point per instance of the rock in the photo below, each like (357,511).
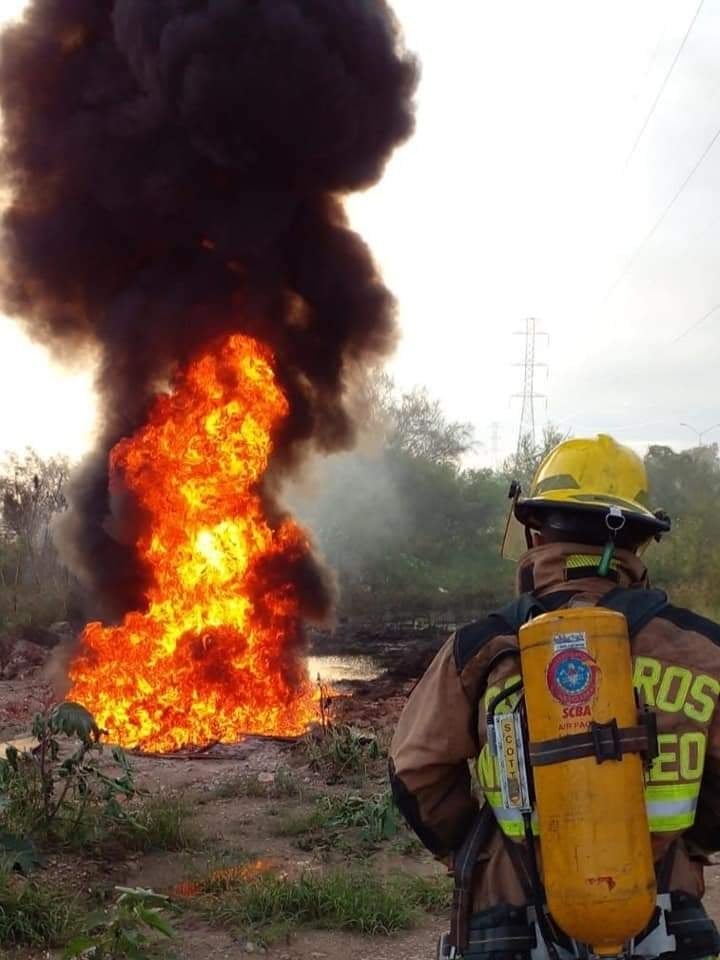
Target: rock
(64,631)
(23,656)
(38,635)
(7,642)
(249,947)
(31,653)
(266,777)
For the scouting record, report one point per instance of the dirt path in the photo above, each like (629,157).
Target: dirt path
(234,825)
(207,944)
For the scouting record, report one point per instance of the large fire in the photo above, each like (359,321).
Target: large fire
(212,657)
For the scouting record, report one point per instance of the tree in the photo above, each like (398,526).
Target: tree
(523,464)
(32,492)
(687,486)
(414,422)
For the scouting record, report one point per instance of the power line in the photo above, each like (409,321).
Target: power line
(653,58)
(660,92)
(653,230)
(696,324)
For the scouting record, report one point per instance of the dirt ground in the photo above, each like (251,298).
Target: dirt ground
(236,828)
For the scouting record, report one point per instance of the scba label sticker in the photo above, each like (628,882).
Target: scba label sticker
(569,641)
(573,677)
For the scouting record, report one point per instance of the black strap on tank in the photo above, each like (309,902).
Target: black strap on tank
(604,741)
(517,613)
(463,870)
(638,605)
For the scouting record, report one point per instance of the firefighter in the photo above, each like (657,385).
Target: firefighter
(585,522)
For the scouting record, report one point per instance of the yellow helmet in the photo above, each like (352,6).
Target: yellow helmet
(581,481)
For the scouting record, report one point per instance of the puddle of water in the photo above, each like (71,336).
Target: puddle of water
(335,669)
(24,743)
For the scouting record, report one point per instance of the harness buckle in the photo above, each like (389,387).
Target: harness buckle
(445,950)
(648,720)
(606,741)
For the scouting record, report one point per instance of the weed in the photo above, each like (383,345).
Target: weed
(432,893)
(266,903)
(339,752)
(298,824)
(372,819)
(244,786)
(284,786)
(376,816)
(162,823)
(128,929)
(35,916)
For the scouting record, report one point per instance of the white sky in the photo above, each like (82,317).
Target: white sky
(514,199)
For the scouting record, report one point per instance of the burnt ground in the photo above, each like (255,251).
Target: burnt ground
(233,827)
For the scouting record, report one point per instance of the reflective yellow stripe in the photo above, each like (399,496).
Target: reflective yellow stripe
(486,769)
(671,807)
(579,560)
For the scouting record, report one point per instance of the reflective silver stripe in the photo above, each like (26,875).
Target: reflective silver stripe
(510,820)
(670,808)
(505,814)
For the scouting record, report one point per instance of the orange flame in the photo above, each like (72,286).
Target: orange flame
(211,657)
(223,880)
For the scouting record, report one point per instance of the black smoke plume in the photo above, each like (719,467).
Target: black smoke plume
(175,170)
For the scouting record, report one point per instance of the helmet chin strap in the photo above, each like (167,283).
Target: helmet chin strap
(614,521)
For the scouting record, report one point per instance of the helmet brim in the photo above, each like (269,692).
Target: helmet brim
(532,512)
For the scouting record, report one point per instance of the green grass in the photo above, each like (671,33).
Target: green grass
(432,894)
(265,906)
(353,823)
(161,823)
(36,916)
(166,824)
(285,786)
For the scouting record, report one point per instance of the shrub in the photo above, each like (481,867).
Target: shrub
(52,795)
(128,929)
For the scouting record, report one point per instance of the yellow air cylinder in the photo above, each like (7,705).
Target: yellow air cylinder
(595,844)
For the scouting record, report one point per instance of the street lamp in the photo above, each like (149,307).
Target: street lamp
(700,433)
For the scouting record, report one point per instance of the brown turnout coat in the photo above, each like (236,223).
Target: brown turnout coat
(442,728)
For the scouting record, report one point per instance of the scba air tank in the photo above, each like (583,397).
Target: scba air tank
(585,745)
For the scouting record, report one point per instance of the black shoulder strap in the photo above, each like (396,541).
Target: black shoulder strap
(639,606)
(524,608)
